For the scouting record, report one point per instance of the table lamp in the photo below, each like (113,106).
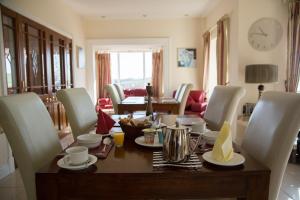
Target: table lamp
(261,73)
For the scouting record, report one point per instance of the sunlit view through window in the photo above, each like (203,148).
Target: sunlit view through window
(131,69)
(212,69)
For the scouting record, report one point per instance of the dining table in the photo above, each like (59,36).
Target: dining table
(128,173)
(162,104)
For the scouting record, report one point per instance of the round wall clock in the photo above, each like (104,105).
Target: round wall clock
(264,34)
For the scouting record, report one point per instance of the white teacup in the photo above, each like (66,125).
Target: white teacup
(199,127)
(76,155)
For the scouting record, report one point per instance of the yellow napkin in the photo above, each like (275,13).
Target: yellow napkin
(222,150)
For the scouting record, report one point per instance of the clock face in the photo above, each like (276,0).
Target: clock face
(265,34)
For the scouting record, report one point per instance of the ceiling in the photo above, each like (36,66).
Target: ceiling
(141,9)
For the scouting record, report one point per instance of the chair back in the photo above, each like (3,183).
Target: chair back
(272,129)
(79,108)
(114,95)
(222,106)
(183,96)
(178,91)
(120,91)
(31,135)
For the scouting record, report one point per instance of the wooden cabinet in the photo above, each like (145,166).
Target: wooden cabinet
(37,59)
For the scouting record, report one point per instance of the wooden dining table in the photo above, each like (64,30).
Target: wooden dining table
(127,173)
(132,104)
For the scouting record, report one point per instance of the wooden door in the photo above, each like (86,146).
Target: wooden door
(38,60)
(10,54)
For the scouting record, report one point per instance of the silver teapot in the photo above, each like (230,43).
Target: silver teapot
(176,146)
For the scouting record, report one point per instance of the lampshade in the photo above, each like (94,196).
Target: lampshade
(261,73)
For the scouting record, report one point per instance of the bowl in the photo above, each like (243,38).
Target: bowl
(210,137)
(89,140)
(132,132)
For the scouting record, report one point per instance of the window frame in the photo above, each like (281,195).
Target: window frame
(118,64)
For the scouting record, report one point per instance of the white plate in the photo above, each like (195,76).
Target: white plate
(141,141)
(90,145)
(237,159)
(199,133)
(62,164)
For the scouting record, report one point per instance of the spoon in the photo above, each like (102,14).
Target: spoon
(106,141)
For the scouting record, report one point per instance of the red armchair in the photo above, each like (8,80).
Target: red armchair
(196,103)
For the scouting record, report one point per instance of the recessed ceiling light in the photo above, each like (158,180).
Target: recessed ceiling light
(186,15)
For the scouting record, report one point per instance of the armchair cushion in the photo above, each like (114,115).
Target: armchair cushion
(196,107)
(190,101)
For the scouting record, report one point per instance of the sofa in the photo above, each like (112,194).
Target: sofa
(196,103)
(138,92)
(106,103)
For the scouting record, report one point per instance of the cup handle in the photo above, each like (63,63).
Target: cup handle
(192,150)
(67,160)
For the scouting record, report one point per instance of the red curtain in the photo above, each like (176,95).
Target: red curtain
(293,66)
(206,50)
(157,73)
(223,50)
(104,76)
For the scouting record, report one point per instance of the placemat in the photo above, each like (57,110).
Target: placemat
(192,163)
(97,151)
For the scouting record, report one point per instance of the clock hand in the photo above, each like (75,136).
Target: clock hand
(262,32)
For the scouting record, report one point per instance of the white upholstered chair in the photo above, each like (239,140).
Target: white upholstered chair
(120,91)
(183,96)
(222,106)
(31,134)
(79,108)
(178,91)
(272,129)
(114,95)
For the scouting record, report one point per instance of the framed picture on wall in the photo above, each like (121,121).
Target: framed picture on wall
(186,57)
(80,57)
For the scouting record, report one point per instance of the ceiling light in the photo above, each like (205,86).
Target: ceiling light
(186,15)
(103,17)
(144,15)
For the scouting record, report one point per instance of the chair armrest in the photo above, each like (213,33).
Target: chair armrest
(203,106)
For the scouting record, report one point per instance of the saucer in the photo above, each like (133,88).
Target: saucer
(91,160)
(237,159)
(141,141)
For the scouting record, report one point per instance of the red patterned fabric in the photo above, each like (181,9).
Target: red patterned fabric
(105,123)
(103,69)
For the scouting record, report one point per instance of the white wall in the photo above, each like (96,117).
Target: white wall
(242,14)
(182,33)
(249,12)
(54,14)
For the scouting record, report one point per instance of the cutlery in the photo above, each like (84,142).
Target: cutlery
(106,141)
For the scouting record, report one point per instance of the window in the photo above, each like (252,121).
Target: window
(298,89)
(212,69)
(131,69)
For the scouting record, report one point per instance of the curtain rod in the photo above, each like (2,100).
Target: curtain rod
(138,50)
(223,17)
